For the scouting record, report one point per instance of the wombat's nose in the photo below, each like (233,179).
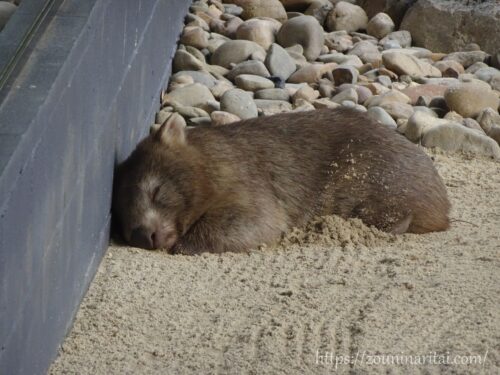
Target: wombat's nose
(143,237)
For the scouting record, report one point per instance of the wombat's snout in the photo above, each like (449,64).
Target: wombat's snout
(149,238)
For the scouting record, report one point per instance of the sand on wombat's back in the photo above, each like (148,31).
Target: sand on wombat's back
(332,230)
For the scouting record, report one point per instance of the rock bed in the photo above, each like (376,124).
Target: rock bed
(257,58)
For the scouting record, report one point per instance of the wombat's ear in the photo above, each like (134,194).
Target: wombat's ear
(172,131)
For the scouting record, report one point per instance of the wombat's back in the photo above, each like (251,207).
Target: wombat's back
(327,161)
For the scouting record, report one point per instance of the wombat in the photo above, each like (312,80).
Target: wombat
(234,187)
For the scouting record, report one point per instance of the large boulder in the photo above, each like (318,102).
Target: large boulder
(447,26)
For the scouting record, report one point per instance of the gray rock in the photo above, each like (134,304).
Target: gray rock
(488,119)
(402,37)
(271,107)
(349,94)
(345,74)
(470,98)
(319,9)
(303,30)
(223,118)
(448,26)
(401,63)
(193,95)
(339,41)
(254,67)
(204,78)
(273,94)
(466,59)
(279,62)
(380,25)
(381,116)
(183,60)
(456,137)
(239,103)
(250,82)
(236,51)
(367,52)
(346,16)
(233,9)
(419,123)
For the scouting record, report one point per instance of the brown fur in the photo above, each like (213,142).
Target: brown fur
(233,187)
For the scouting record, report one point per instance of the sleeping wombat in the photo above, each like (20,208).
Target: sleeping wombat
(234,187)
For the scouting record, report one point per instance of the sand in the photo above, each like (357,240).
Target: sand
(337,297)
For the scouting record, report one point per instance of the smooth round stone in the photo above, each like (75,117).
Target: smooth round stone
(194,95)
(194,36)
(239,103)
(426,90)
(233,9)
(254,67)
(311,73)
(380,25)
(223,118)
(345,74)
(262,8)
(249,82)
(419,123)
(307,93)
(367,52)
(466,59)
(449,68)
(402,63)
(402,37)
(488,119)
(204,78)
(259,31)
(456,137)
(470,98)
(273,94)
(381,116)
(339,41)
(398,110)
(390,44)
(236,51)
(303,30)
(384,80)
(183,60)
(346,16)
(319,9)
(271,107)
(392,96)
(279,62)
(349,94)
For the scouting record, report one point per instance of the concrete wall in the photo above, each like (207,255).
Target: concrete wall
(82,100)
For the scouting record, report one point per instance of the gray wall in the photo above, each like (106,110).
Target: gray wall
(81,102)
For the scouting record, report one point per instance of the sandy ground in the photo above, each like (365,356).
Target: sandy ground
(336,298)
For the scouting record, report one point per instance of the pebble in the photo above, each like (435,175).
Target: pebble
(239,103)
(259,31)
(250,82)
(346,16)
(402,37)
(349,94)
(380,115)
(204,78)
(194,36)
(233,9)
(306,93)
(419,123)
(236,51)
(193,95)
(311,73)
(466,59)
(489,120)
(367,52)
(279,62)
(254,67)
(273,94)
(319,9)
(398,110)
(223,118)
(271,107)
(303,30)
(344,74)
(456,137)
(183,60)
(426,90)
(302,105)
(325,103)
(392,96)
(339,41)
(261,8)
(220,88)
(449,68)
(402,63)
(470,98)
(380,25)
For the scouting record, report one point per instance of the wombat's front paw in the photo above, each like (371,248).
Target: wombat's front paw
(183,249)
